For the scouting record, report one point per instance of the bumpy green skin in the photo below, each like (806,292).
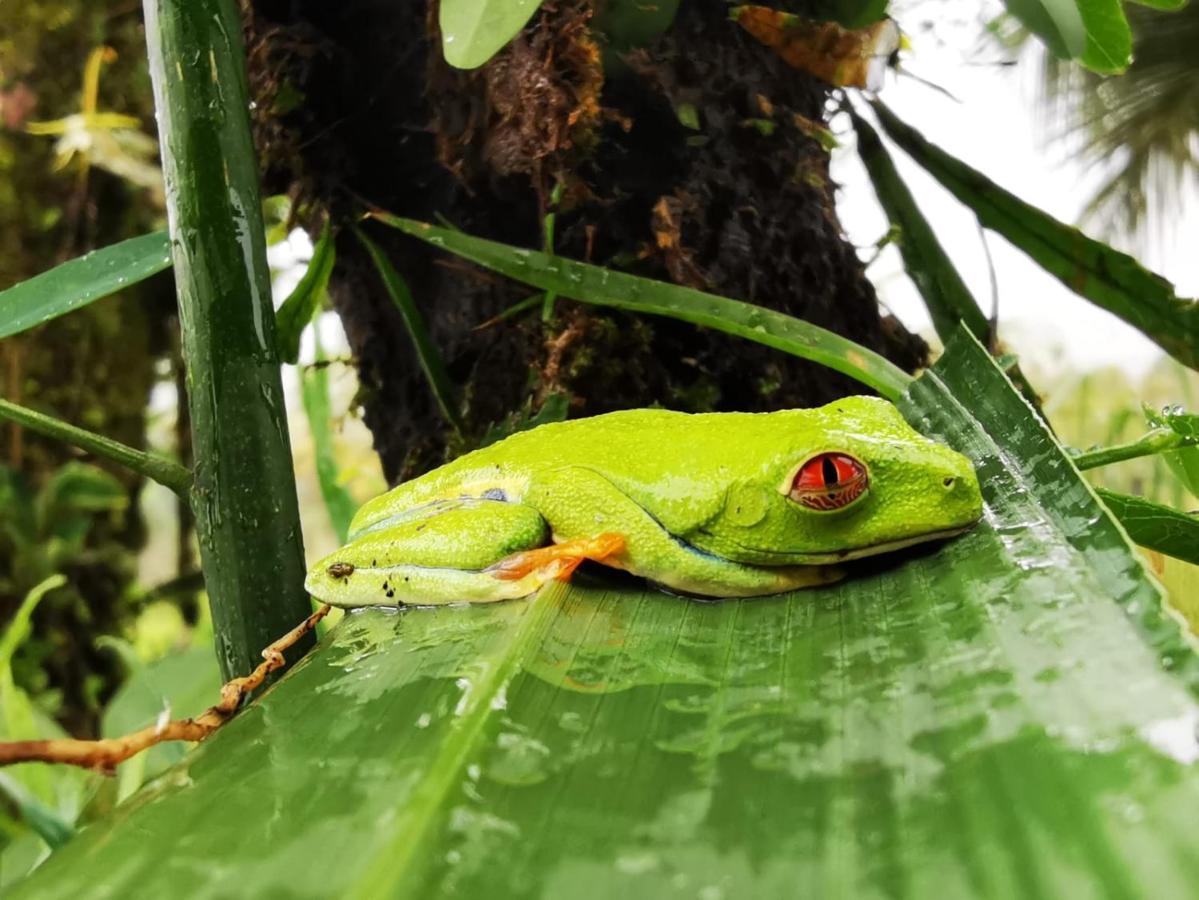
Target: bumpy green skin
(701,501)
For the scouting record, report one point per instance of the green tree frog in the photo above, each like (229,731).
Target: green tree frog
(713,504)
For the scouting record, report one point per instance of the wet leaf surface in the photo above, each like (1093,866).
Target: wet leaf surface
(81,281)
(1007,714)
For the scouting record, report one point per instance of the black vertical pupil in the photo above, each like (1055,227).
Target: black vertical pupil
(829,470)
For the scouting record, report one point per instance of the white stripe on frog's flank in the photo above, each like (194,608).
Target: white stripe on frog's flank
(831,557)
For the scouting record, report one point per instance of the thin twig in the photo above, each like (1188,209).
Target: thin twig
(105,754)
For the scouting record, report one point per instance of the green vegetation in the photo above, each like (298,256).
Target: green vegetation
(1010,713)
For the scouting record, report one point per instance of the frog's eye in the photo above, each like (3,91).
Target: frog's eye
(829,481)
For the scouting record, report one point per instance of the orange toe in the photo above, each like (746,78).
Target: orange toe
(558,561)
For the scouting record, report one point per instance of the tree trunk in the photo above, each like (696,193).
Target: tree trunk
(691,158)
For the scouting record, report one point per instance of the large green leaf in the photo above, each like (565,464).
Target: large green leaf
(1057,22)
(473,31)
(1009,714)
(1101,274)
(1093,32)
(81,281)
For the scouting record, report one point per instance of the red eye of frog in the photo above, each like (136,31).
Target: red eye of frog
(829,482)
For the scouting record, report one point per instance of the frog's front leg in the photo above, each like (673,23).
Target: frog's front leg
(580,502)
(464,550)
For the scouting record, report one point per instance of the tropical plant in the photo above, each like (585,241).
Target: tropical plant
(1141,129)
(1023,684)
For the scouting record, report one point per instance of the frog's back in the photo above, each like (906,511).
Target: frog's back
(640,450)
(641,446)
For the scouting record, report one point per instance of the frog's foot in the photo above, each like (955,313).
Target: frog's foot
(557,561)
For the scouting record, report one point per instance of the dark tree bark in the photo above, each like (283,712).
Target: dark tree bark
(741,205)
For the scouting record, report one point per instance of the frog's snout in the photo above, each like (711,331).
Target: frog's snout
(340,570)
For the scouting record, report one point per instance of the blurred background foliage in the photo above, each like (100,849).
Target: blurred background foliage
(124,635)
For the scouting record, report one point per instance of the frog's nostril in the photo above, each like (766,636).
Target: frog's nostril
(340,570)
(948,482)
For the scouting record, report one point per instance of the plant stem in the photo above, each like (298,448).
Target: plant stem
(244,497)
(1156,441)
(156,468)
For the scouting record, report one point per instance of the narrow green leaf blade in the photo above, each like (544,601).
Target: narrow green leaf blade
(81,281)
(314,390)
(605,287)
(473,31)
(426,351)
(1108,278)
(1008,714)
(167,473)
(304,302)
(1161,528)
(949,301)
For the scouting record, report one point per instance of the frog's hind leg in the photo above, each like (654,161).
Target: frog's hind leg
(456,553)
(558,561)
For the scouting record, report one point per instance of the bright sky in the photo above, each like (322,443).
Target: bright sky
(996,128)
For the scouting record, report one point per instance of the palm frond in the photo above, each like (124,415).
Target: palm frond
(1141,129)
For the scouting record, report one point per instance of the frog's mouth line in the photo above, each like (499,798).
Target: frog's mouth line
(830,557)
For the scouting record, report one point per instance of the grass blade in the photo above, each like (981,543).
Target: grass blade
(604,287)
(971,720)
(1105,276)
(426,351)
(81,281)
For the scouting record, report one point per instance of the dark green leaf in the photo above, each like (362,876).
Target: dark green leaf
(1101,274)
(81,281)
(473,31)
(949,301)
(853,13)
(628,24)
(303,304)
(1007,715)
(606,287)
(1155,526)
(426,351)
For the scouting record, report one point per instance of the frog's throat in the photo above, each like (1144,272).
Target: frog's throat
(829,557)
